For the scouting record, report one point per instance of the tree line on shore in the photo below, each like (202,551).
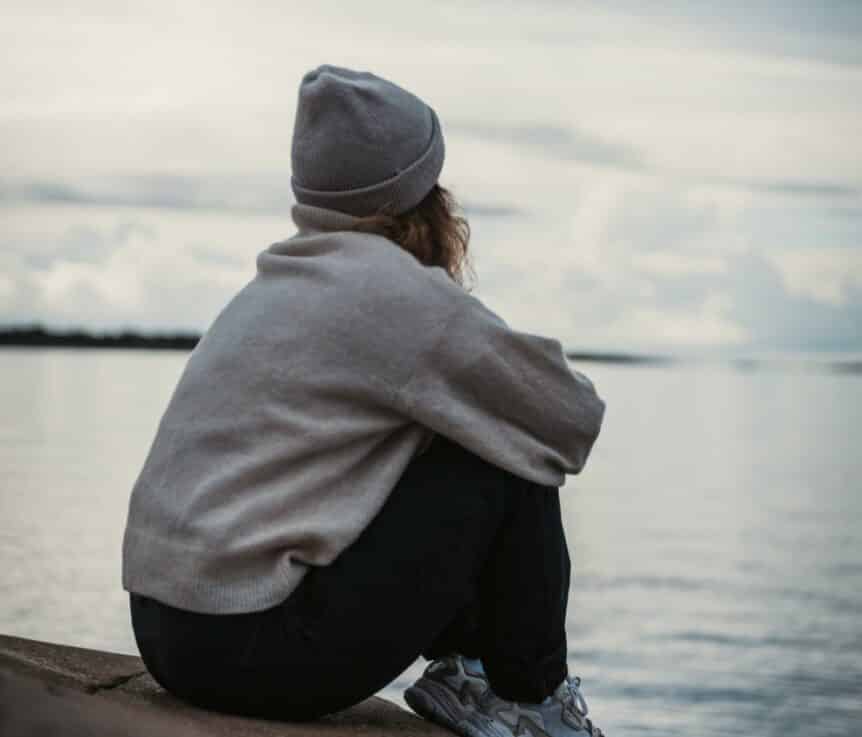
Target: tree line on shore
(40,336)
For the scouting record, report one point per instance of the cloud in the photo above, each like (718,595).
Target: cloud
(490,210)
(627,233)
(563,142)
(240,193)
(824,30)
(823,274)
(206,253)
(792,187)
(7,287)
(161,269)
(637,263)
(781,320)
(80,244)
(707,326)
(641,263)
(671,263)
(651,192)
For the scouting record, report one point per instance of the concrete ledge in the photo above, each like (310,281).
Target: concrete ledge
(48,689)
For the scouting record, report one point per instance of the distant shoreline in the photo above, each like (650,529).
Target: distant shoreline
(41,337)
(37,336)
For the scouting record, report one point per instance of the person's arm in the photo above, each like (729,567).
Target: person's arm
(508,396)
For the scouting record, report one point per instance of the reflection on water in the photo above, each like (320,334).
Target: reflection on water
(715,534)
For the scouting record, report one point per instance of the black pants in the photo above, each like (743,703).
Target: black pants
(463,557)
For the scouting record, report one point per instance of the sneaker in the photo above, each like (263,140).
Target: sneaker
(563,714)
(448,693)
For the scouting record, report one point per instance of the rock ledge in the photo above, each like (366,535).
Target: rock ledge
(48,689)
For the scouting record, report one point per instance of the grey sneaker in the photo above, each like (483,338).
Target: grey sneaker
(448,693)
(564,714)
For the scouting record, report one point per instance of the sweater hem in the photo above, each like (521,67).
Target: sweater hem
(146,558)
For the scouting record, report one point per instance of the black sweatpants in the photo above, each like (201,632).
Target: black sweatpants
(463,557)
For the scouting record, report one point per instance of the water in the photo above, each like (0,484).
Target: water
(715,534)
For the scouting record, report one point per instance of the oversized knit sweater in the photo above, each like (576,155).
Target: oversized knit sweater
(309,395)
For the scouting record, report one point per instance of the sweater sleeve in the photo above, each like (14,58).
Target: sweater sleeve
(508,396)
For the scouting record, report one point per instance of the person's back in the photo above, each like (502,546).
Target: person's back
(361,462)
(282,416)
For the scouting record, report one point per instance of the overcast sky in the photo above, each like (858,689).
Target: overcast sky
(683,179)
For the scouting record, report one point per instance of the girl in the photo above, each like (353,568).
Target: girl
(361,462)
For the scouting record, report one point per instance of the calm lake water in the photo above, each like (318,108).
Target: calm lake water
(716,534)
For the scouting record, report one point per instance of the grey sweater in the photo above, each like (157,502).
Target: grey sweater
(308,396)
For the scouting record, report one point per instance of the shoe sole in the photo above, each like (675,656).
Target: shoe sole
(434,703)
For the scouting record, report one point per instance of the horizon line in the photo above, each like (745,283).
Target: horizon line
(37,335)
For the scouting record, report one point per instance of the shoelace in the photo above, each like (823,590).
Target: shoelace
(450,661)
(577,703)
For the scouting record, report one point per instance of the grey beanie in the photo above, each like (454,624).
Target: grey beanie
(361,142)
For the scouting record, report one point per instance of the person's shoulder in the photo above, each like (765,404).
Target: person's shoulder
(392,273)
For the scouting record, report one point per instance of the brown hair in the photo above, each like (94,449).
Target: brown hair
(432,231)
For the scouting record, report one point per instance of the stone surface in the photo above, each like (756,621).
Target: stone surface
(48,689)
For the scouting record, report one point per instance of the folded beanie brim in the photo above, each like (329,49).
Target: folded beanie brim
(401,192)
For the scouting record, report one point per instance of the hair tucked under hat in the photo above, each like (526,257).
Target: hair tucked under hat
(362,143)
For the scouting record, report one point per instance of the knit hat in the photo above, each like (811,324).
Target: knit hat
(361,142)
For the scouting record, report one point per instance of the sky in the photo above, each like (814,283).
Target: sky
(675,177)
